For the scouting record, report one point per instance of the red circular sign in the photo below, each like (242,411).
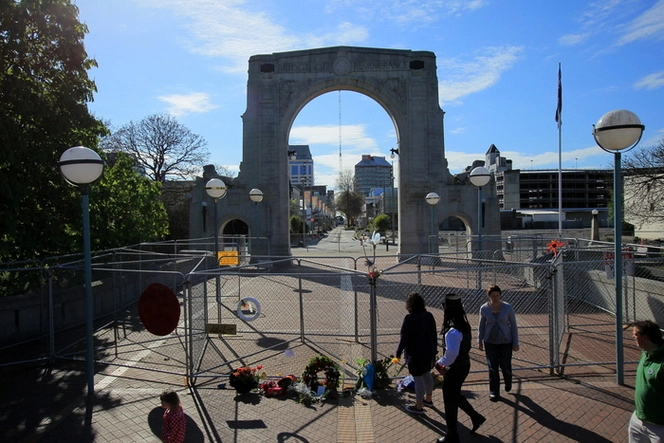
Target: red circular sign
(159,309)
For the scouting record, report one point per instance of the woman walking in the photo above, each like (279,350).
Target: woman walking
(498,337)
(418,340)
(455,366)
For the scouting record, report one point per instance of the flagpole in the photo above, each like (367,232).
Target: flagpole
(559,119)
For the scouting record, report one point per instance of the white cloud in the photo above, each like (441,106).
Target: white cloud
(648,25)
(235,31)
(467,77)
(652,81)
(611,17)
(354,137)
(573,39)
(197,102)
(345,34)
(405,11)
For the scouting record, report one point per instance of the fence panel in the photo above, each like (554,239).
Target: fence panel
(566,310)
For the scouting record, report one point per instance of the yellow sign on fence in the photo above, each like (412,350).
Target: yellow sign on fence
(228,258)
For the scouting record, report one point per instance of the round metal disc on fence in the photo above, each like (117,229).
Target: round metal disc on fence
(159,309)
(248,309)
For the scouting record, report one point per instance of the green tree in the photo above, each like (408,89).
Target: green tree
(296,224)
(126,208)
(44,90)
(381,223)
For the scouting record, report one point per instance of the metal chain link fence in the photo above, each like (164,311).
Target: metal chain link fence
(565,308)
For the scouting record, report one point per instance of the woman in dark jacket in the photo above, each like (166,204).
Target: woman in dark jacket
(418,340)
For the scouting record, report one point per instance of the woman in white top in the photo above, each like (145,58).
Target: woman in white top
(455,366)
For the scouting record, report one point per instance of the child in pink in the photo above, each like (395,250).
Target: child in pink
(173,428)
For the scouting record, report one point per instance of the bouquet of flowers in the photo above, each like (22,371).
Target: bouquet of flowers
(381,377)
(245,379)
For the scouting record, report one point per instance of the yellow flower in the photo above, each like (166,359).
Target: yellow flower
(395,360)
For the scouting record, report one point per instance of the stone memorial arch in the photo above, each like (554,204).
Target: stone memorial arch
(405,84)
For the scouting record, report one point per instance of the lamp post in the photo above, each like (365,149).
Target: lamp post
(618,131)
(216,189)
(479,177)
(256,196)
(81,166)
(432,198)
(594,228)
(392,202)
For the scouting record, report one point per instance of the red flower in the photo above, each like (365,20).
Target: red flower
(555,246)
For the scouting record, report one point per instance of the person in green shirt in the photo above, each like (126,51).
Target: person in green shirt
(647,422)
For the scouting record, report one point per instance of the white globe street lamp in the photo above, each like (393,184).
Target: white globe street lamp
(432,198)
(618,131)
(81,166)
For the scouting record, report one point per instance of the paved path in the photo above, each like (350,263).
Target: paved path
(48,406)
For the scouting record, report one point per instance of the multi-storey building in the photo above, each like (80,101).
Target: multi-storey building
(301,165)
(372,172)
(538,189)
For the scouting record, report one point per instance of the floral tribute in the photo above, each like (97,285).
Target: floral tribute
(382,378)
(279,387)
(374,240)
(554,246)
(245,379)
(324,364)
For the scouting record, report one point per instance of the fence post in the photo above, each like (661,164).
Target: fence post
(51,325)
(372,319)
(299,282)
(556,311)
(188,327)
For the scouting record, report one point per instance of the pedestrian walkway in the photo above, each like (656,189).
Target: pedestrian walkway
(49,406)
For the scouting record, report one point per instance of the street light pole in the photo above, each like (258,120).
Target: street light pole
(216,189)
(432,198)
(479,177)
(618,131)
(81,166)
(392,202)
(256,196)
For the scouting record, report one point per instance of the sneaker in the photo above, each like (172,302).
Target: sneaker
(508,387)
(494,397)
(427,403)
(414,410)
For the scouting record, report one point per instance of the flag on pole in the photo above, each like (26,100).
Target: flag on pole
(559,109)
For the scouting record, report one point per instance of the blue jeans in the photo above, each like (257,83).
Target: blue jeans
(499,357)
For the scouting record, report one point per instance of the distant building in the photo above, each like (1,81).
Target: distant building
(372,172)
(300,165)
(538,189)
(532,195)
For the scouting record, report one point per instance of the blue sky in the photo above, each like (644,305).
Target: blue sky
(497,71)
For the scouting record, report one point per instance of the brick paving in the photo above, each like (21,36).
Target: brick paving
(47,404)
(40,406)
